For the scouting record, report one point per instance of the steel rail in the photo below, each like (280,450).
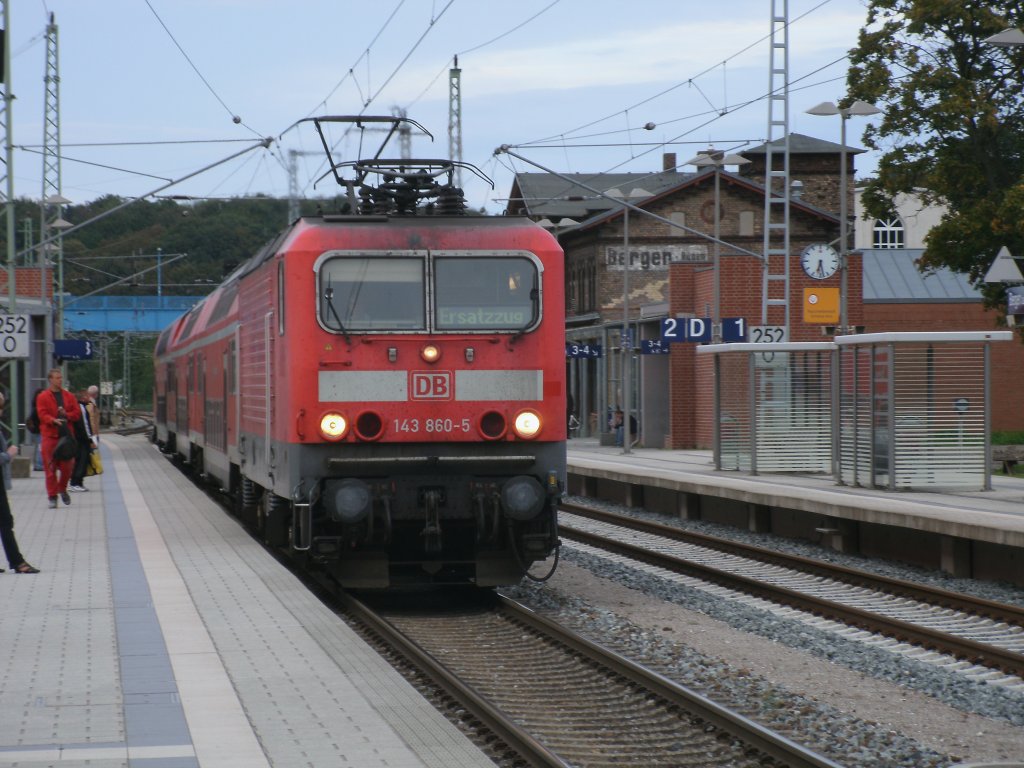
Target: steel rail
(750,732)
(978,606)
(535,753)
(971,650)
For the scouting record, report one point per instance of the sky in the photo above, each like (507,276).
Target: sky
(150,89)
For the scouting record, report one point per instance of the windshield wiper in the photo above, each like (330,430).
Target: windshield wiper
(329,298)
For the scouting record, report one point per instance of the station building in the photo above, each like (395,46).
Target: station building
(671,275)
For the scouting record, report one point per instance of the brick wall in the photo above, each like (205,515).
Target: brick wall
(687,288)
(26,282)
(1007,359)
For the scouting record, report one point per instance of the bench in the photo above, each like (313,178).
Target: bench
(1008,456)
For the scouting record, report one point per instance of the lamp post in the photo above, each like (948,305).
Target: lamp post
(859,109)
(60,224)
(627,341)
(716,158)
(1008,38)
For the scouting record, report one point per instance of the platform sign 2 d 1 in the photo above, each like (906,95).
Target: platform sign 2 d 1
(14,342)
(72,349)
(583,350)
(699,329)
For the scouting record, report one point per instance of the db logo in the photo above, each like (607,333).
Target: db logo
(431,385)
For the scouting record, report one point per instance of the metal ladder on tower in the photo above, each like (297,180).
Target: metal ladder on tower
(775,284)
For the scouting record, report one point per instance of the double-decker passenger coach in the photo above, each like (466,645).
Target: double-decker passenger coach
(383,388)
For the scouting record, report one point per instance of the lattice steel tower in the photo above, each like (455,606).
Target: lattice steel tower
(455,118)
(7,190)
(775,285)
(52,200)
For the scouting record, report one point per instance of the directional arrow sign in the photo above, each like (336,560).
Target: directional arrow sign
(72,349)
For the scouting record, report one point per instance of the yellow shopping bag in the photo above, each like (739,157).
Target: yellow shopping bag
(95,464)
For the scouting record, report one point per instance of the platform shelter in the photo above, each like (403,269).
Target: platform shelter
(895,411)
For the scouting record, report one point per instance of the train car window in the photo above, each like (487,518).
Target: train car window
(485,293)
(280,298)
(359,293)
(232,388)
(161,343)
(225,298)
(193,315)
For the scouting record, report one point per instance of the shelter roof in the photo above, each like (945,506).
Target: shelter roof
(891,275)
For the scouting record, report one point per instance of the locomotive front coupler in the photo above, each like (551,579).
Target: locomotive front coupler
(432,499)
(487,501)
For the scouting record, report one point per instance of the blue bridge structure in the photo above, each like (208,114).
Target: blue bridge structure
(124,314)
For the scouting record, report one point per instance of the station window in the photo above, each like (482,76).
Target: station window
(888,233)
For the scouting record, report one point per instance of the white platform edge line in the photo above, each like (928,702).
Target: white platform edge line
(221,733)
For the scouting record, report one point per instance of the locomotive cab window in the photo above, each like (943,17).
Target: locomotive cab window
(485,293)
(359,293)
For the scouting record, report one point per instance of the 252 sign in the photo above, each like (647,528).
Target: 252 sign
(14,336)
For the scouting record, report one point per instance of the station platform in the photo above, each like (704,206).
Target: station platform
(977,534)
(160,635)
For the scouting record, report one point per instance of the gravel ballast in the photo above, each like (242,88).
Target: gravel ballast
(859,705)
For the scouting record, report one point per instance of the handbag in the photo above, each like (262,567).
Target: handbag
(95,466)
(66,447)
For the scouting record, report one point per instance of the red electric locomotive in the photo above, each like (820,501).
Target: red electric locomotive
(384,388)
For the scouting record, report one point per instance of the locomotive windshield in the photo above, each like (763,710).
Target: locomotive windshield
(468,293)
(492,294)
(364,294)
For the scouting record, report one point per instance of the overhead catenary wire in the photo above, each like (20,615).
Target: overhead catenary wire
(266,142)
(234,116)
(378,88)
(689,80)
(715,116)
(480,46)
(366,101)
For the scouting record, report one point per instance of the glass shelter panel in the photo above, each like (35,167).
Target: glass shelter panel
(794,417)
(914,410)
(774,411)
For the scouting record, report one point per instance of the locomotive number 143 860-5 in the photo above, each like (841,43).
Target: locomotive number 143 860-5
(432,425)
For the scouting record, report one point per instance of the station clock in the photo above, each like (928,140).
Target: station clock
(819,260)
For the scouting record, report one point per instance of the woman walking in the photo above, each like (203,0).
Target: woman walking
(14,557)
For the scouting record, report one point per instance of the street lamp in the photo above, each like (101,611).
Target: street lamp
(858,109)
(627,339)
(60,224)
(716,158)
(1008,38)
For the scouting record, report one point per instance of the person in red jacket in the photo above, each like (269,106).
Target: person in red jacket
(56,407)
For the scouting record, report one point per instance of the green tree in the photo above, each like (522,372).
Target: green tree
(952,131)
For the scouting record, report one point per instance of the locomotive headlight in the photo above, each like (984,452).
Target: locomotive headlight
(430,354)
(526,424)
(333,426)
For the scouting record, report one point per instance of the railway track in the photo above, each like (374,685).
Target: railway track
(557,699)
(132,422)
(974,637)
(535,693)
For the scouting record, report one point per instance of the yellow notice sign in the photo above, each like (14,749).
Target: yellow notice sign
(821,306)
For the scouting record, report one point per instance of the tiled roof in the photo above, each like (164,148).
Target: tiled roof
(544,194)
(799,144)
